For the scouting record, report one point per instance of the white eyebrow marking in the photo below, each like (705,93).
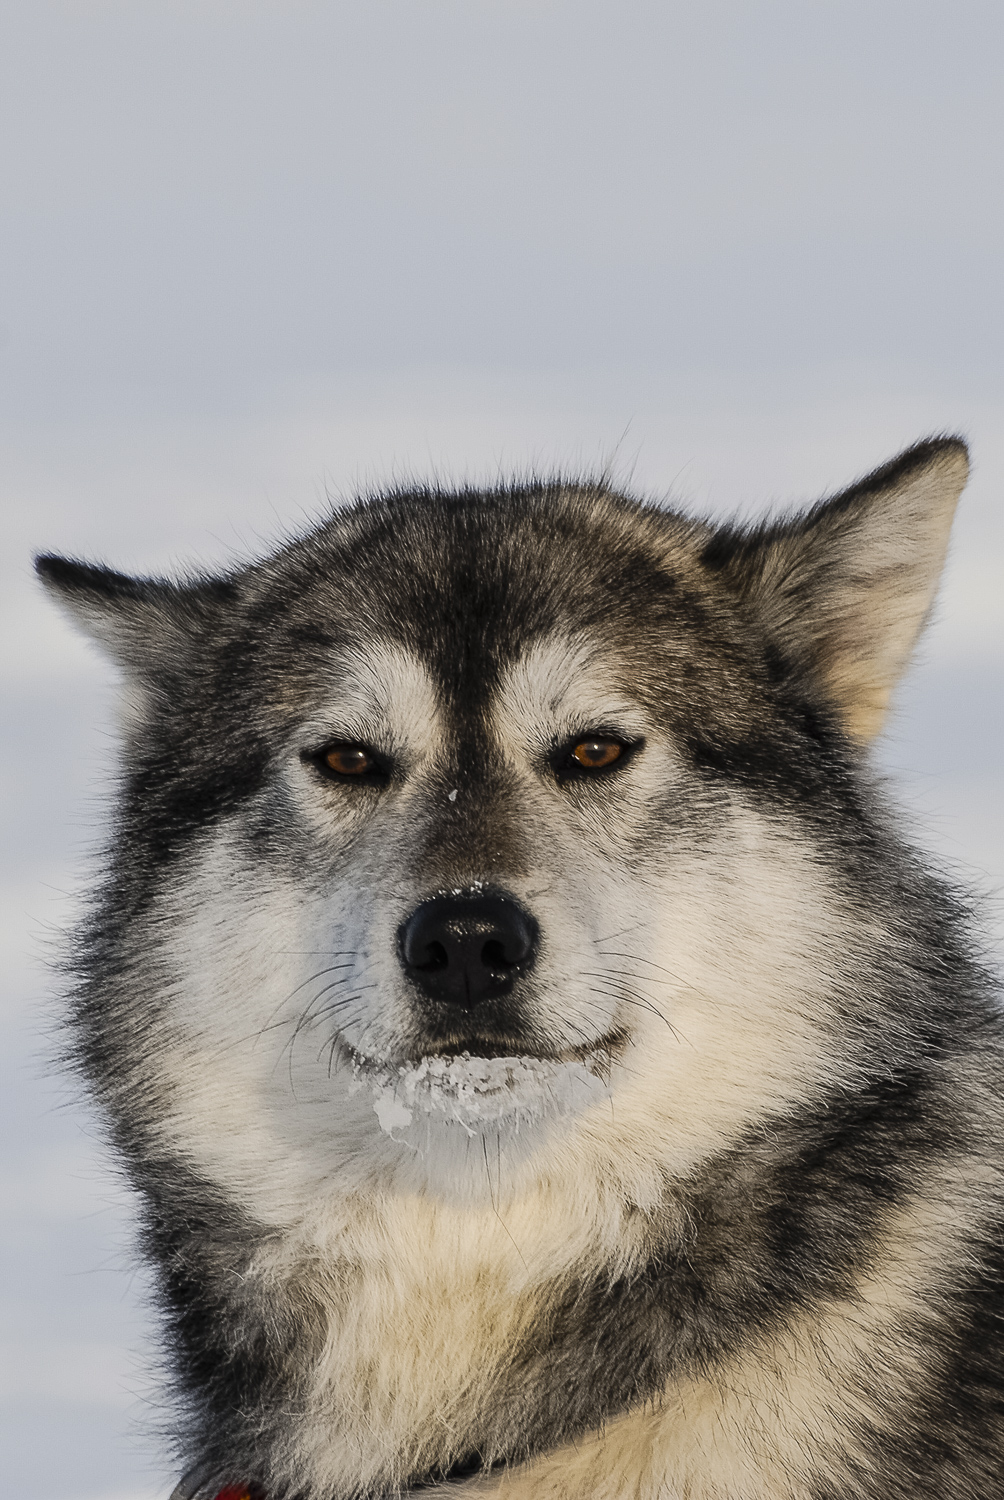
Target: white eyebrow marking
(560,687)
(382,695)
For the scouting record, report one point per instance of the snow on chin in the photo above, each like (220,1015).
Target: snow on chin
(475,1092)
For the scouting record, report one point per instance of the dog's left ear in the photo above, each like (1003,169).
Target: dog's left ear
(150,627)
(844,590)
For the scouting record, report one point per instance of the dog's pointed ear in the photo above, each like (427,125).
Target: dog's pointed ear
(844,590)
(146,625)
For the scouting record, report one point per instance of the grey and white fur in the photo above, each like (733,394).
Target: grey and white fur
(544,1068)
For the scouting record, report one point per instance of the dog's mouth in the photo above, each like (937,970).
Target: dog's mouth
(482,1089)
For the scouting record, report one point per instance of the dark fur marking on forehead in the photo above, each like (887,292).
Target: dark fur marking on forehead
(470,581)
(479,833)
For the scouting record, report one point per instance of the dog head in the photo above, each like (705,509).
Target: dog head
(480,836)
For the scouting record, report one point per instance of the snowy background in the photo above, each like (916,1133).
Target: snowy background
(255,253)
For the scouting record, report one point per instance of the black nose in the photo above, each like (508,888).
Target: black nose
(465,949)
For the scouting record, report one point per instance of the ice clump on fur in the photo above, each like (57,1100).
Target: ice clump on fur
(479,1091)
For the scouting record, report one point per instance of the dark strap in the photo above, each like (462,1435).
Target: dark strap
(188,1488)
(194,1487)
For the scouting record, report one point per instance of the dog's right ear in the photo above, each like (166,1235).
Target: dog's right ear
(844,589)
(146,625)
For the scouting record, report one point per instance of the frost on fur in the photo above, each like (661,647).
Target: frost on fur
(474,1092)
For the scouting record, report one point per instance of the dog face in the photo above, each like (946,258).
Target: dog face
(478,840)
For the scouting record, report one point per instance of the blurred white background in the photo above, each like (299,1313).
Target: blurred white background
(257,253)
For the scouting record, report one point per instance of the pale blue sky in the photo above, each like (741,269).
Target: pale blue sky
(251,253)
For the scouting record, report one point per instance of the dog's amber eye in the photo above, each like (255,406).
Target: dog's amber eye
(596,755)
(349,760)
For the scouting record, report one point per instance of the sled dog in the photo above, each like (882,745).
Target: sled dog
(545,1069)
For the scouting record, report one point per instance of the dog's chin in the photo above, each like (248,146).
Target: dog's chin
(484,1087)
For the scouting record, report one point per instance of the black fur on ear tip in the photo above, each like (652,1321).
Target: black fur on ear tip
(66,576)
(918,456)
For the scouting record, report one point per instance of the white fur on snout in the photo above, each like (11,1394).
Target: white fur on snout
(269,977)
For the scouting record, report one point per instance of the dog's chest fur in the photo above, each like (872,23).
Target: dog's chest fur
(425,1310)
(455,1341)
